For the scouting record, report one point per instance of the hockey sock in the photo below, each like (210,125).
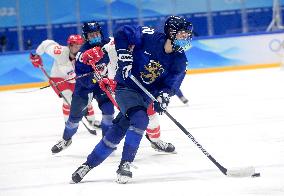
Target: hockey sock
(66,111)
(70,130)
(138,123)
(107,109)
(106,146)
(99,154)
(154,134)
(131,145)
(106,123)
(153,128)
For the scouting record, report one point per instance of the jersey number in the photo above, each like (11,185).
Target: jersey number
(57,50)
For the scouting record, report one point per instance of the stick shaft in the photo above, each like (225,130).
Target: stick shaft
(220,167)
(65,99)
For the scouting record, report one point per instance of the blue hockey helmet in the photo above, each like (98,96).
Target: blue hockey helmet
(89,27)
(174,25)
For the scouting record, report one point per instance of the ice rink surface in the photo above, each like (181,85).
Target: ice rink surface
(238,117)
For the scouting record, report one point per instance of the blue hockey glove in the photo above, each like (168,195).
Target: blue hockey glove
(163,102)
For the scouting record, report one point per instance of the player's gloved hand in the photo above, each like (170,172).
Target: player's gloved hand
(36,60)
(92,56)
(163,102)
(104,82)
(101,69)
(126,71)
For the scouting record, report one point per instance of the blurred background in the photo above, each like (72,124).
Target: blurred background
(25,23)
(228,34)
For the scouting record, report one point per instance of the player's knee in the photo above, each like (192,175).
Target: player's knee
(107,119)
(114,135)
(107,108)
(121,121)
(139,118)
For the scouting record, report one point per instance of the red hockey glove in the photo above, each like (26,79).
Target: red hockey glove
(92,56)
(36,60)
(107,82)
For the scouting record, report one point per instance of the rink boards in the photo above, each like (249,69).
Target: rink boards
(205,56)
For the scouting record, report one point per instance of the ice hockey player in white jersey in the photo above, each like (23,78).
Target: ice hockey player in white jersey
(63,69)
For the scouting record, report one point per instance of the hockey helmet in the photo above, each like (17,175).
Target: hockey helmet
(174,25)
(75,39)
(89,27)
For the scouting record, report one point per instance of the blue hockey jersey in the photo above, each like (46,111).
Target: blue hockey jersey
(152,66)
(87,83)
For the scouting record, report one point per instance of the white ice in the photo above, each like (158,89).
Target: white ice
(238,117)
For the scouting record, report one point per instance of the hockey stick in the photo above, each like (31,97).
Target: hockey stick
(57,83)
(33,90)
(66,80)
(238,172)
(60,93)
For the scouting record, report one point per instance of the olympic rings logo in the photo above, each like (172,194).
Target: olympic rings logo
(276,45)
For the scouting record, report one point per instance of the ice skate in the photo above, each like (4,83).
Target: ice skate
(61,145)
(123,173)
(183,99)
(79,174)
(95,123)
(161,146)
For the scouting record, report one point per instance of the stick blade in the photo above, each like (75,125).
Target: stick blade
(241,172)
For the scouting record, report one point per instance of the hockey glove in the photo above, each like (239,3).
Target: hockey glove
(36,60)
(163,102)
(104,82)
(92,56)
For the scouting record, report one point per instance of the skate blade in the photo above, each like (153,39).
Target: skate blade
(122,179)
(72,182)
(173,152)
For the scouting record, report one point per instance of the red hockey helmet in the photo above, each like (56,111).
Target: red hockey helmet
(75,39)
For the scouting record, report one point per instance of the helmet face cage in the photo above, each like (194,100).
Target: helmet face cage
(89,27)
(173,26)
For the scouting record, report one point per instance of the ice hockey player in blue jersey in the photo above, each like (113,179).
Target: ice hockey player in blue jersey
(158,61)
(86,87)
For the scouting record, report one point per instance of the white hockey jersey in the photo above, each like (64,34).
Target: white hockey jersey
(62,66)
(112,66)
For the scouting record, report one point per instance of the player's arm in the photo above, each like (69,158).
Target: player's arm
(173,80)
(109,48)
(45,47)
(126,38)
(82,68)
(49,47)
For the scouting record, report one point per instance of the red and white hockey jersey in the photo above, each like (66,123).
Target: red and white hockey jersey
(62,67)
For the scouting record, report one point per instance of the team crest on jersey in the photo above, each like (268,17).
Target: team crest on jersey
(152,71)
